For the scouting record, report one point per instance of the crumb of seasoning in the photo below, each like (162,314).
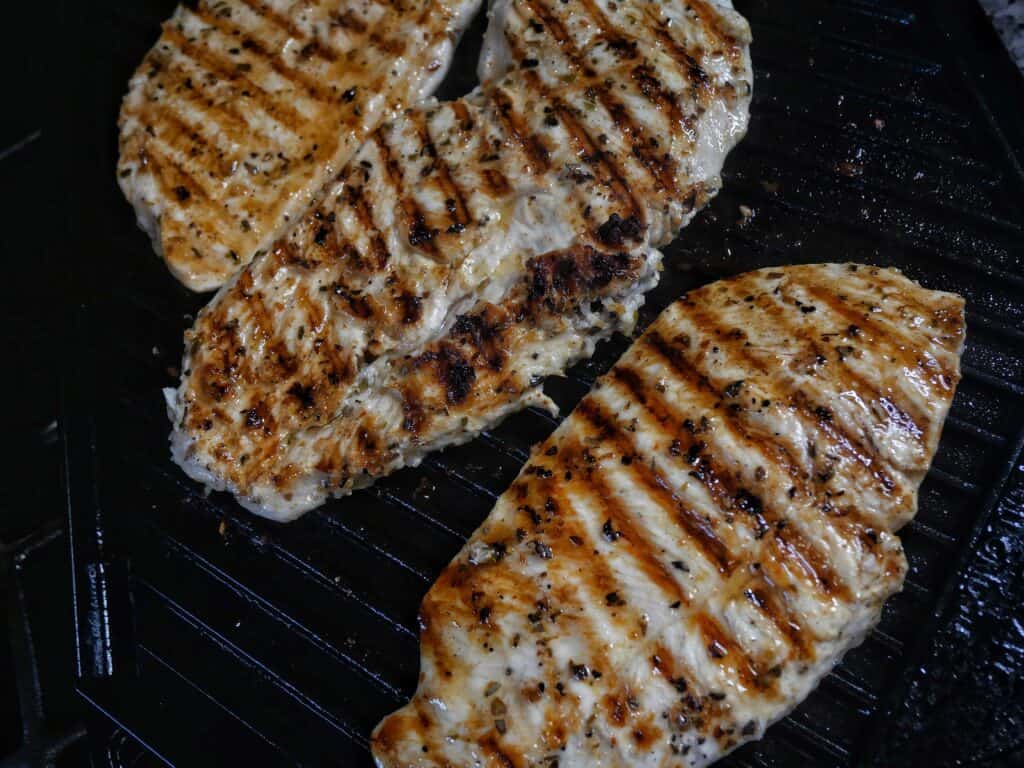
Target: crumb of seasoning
(609,532)
(746,214)
(222,529)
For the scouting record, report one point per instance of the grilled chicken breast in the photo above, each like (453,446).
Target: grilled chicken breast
(245,108)
(701,541)
(469,250)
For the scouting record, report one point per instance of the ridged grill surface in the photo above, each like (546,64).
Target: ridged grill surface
(211,634)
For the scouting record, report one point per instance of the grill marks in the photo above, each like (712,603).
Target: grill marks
(590,154)
(314,46)
(888,336)
(905,414)
(418,231)
(700,531)
(591,484)
(455,202)
(517,129)
(700,84)
(661,169)
(809,411)
(177,183)
(256,50)
(387,213)
(272,82)
(740,427)
(223,69)
(719,482)
(736,631)
(360,203)
(183,76)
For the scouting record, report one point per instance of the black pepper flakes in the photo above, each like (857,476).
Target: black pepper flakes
(542,550)
(579,671)
(609,532)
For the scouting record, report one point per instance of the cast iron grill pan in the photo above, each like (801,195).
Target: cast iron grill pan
(214,636)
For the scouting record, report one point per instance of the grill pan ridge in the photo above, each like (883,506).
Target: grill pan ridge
(884,132)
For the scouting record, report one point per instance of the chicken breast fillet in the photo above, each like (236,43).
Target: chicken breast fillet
(469,250)
(245,108)
(701,541)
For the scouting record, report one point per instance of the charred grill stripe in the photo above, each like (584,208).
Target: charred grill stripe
(725,651)
(225,117)
(519,132)
(582,141)
(349,21)
(674,671)
(887,336)
(720,483)
(697,529)
(254,46)
(746,430)
(806,409)
(710,18)
(702,86)
(907,414)
(589,578)
(346,19)
(648,85)
(275,107)
(769,600)
(175,126)
(418,232)
(461,112)
(594,486)
(584,573)
(585,147)
(502,757)
(364,212)
(172,177)
(739,427)
(495,183)
(608,30)
(166,158)
(660,170)
(459,214)
(320,48)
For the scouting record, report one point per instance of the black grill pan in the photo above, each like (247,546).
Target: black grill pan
(888,133)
